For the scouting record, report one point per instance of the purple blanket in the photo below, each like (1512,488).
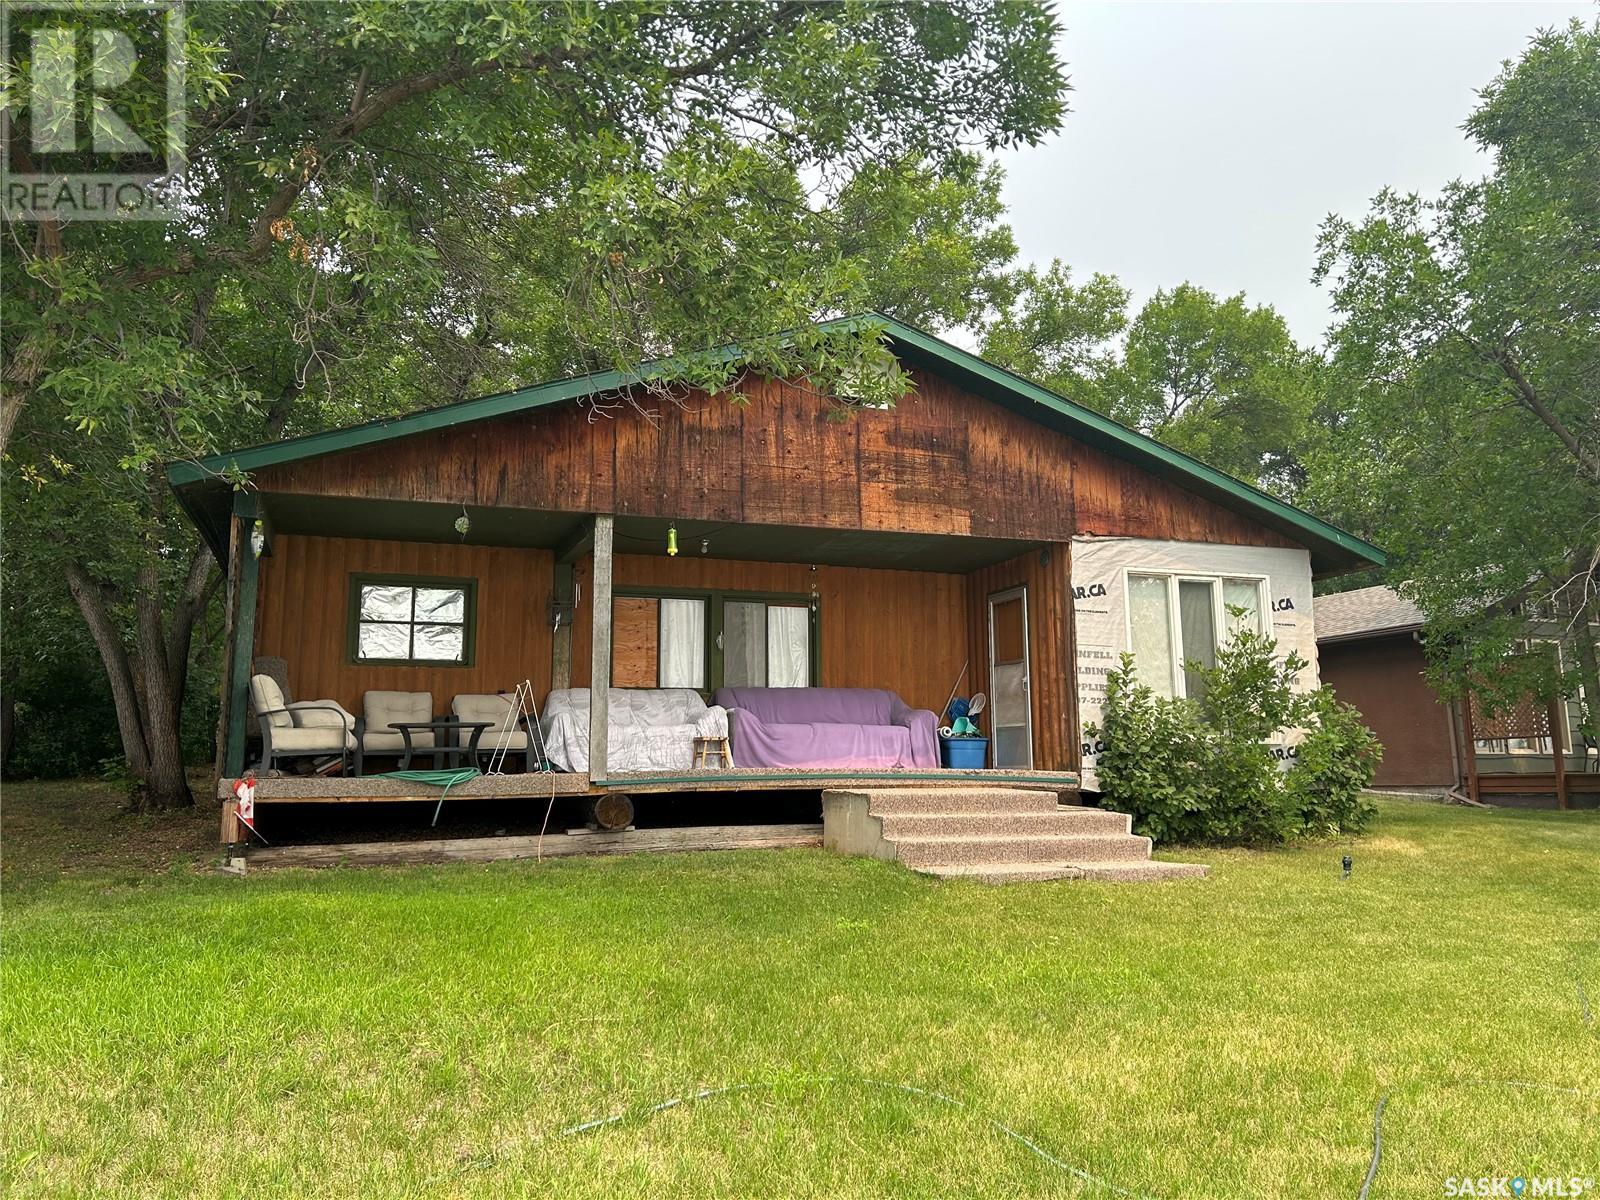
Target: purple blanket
(827,727)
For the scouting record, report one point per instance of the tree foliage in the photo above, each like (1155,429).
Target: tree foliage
(1216,378)
(1467,359)
(390,206)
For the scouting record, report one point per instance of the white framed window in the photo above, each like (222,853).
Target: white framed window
(1177,618)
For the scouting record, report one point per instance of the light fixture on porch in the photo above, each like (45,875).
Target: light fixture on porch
(672,541)
(258,537)
(463,523)
(705,545)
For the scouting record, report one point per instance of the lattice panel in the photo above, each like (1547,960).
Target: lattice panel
(1528,718)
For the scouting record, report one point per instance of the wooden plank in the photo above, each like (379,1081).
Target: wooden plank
(500,849)
(244,633)
(303,616)
(635,632)
(600,644)
(781,458)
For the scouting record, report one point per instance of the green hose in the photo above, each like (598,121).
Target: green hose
(440,779)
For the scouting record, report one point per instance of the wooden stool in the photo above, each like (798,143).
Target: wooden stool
(708,748)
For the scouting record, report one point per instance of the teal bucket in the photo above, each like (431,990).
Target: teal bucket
(964,754)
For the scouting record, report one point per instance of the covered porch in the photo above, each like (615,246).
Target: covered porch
(578,600)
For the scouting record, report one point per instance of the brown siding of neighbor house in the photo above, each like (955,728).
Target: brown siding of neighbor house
(941,461)
(1383,677)
(304,616)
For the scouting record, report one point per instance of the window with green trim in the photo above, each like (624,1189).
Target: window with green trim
(412,620)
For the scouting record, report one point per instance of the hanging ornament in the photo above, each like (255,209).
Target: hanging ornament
(672,541)
(258,537)
(463,523)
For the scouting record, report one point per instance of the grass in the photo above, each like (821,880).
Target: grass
(428,1031)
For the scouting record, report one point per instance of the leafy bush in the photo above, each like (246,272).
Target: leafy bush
(1336,763)
(1203,770)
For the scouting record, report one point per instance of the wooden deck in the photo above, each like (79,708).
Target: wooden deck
(331,789)
(552,845)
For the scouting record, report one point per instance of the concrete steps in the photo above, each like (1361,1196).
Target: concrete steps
(993,834)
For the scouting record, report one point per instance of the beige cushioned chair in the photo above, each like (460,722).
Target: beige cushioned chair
(505,731)
(304,729)
(375,732)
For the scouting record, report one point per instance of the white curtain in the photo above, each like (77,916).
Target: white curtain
(1245,594)
(744,643)
(1152,632)
(788,647)
(683,643)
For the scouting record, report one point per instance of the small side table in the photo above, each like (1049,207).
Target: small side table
(708,748)
(445,753)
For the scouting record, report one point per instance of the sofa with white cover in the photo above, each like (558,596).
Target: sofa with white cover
(651,729)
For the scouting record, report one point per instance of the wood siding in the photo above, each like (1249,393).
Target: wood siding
(1051,649)
(303,616)
(902,630)
(1384,678)
(941,461)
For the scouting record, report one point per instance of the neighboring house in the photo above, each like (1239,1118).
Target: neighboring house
(1369,649)
(984,532)
(1369,646)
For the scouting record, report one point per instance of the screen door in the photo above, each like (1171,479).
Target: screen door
(1010,714)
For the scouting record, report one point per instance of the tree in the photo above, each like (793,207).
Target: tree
(1060,334)
(389,206)
(1220,380)
(1215,378)
(1468,351)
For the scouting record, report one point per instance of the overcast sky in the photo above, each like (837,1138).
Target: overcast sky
(1207,141)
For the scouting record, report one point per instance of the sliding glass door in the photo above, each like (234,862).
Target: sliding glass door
(713,639)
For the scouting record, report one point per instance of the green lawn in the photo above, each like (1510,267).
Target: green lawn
(430,1031)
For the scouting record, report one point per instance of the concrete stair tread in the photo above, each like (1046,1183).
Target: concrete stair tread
(1141,870)
(1007,872)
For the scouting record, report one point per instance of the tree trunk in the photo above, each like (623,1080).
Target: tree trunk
(166,785)
(91,600)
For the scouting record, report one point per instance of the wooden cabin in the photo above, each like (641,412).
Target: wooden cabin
(960,541)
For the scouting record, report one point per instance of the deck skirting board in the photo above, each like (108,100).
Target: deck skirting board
(555,845)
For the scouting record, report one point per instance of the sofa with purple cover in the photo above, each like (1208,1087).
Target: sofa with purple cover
(827,727)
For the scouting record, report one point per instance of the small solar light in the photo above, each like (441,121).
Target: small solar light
(463,523)
(672,541)
(1349,863)
(705,545)
(258,537)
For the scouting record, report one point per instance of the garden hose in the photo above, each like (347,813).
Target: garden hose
(1034,1147)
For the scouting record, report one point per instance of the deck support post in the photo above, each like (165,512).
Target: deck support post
(244,571)
(600,648)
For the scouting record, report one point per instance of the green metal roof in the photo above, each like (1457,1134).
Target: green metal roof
(1333,549)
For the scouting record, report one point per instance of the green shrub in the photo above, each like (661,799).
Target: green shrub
(1204,771)
(1335,765)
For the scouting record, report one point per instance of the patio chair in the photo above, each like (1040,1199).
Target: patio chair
(302,729)
(375,732)
(505,731)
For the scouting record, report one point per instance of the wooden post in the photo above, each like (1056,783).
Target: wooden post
(248,568)
(561,648)
(600,650)
(1468,733)
(1558,729)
